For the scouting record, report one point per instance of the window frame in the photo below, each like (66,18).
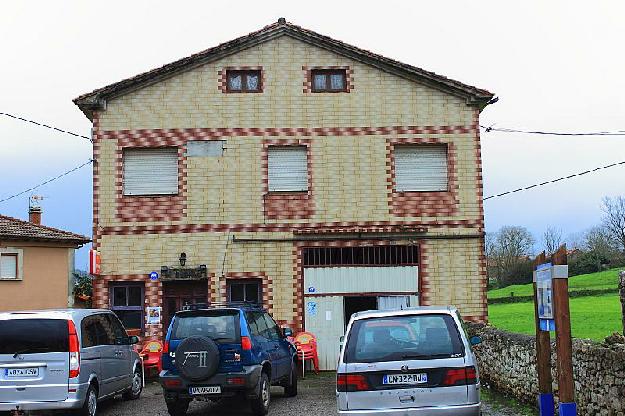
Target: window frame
(416,146)
(19,263)
(125,193)
(328,75)
(279,147)
(140,308)
(244,74)
(245,282)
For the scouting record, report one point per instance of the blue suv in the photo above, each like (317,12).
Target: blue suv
(214,352)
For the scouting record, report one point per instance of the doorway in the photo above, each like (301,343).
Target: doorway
(353,304)
(177,294)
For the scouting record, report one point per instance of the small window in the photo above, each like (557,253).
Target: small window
(151,171)
(288,168)
(329,80)
(243,81)
(421,168)
(244,291)
(8,266)
(127,304)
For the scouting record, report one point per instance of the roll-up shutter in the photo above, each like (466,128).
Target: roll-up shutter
(288,168)
(151,171)
(421,168)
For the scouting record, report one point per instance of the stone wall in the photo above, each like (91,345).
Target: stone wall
(507,363)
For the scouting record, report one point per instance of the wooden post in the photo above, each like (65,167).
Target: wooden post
(564,344)
(543,356)
(621,287)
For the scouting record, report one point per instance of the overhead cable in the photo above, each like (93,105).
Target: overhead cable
(45,125)
(553,133)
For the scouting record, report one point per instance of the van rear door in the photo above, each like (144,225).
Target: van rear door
(34,359)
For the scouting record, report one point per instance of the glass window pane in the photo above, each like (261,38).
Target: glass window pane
(251,292)
(33,335)
(8,266)
(119,296)
(252,82)
(234,82)
(337,82)
(237,292)
(134,296)
(130,319)
(319,82)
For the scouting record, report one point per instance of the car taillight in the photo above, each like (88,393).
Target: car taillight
(460,377)
(74,350)
(351,382)
(246,343)
(165,347)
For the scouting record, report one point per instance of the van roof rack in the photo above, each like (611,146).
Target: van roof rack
(200,306)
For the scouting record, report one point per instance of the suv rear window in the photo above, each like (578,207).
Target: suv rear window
(398,338)
(219,325)
(27,336)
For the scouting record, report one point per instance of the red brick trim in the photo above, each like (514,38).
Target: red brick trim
(223,80)
(96,133)
(286,205)
(425,298)
(307,84)
(480,202)
(150,136)
(422,204)
(142,208)
(278,227)
(266,286)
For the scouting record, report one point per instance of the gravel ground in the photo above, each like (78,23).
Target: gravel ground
(316,398)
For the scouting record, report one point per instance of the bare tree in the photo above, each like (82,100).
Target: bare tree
(552,239)
(600,245)
(509,250)
(614,218)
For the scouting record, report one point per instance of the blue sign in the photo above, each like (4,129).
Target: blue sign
(154,276)
(311,308)
(312,289)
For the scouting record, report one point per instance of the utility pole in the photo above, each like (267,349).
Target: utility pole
(621,289)
(543,356)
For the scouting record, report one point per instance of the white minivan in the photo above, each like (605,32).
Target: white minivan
(415,361)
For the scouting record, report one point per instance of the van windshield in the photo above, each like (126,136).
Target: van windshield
(220,326)
(29,336)
(400,338)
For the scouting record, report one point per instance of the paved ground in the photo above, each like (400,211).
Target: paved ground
(316,398)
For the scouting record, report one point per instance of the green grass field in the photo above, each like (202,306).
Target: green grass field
(593,317)
(602,280)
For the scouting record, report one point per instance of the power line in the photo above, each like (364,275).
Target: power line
(556,180)
(45,125)
(553,133)
(47,181)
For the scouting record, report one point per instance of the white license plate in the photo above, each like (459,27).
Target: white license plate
(22,372)
(419,378)
(205,390)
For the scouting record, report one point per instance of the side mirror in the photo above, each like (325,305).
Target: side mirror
(341,342)
(475,340)
(133,339)
(287,332)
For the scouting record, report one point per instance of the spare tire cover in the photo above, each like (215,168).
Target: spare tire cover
(197,358)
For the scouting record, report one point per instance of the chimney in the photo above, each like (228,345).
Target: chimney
(34,215)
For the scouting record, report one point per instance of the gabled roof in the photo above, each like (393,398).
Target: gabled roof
(97,99)
(18,230)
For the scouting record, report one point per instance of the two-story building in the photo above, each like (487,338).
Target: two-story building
(292,169)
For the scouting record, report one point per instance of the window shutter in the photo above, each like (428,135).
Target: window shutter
(421,168)
(8,267)
(288,168)
(151,171)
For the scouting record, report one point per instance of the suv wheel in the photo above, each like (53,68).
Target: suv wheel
(90,407)
(135,388)
(178,407)
(290,389)
(260,405)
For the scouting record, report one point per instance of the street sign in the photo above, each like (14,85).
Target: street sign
(94,262)
(544,296)
(154,276)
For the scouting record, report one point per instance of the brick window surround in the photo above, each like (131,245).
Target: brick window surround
(266,289)
(222,76)
(422,203)
(307,84)
(281,205)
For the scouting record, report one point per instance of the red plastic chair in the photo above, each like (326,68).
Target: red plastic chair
(151,355)
(306,344)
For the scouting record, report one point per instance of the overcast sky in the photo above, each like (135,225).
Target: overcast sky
(555,65)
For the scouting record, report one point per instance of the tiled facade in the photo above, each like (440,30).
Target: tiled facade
(349,139)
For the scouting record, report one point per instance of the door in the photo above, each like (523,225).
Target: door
(324,319)
(177,294)
(123,361)
(281,358)
(109,372)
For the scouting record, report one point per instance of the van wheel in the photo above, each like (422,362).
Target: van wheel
(90,407)
(260,405)
(290,390)
(136,388)
(178,407)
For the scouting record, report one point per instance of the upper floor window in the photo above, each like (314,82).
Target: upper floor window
(329,80)
(243,80)
(9,265)
(151,171)
(288,168)
(421,168)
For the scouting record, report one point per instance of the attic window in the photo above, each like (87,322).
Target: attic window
(243,81)
(329,80)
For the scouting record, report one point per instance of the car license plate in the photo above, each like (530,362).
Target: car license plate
(205,390)
(22,372)
(419,378)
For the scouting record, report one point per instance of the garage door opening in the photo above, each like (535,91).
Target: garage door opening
(353,304)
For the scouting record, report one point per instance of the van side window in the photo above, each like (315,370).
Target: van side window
(119,332)
(106,334)
(89,332)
